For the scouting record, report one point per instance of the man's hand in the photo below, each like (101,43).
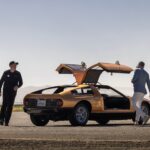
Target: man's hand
(15,88)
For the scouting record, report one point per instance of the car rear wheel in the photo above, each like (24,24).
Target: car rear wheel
(39,120)
(102,122)
(146,109)
(79,116)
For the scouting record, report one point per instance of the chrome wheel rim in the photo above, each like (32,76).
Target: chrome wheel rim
(145,110)
(81,114)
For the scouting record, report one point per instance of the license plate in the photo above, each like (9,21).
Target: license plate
(35,111)
(41,103)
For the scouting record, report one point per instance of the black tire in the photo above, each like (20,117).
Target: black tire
(80,115)
(39,120)
(102,122)
(146,109)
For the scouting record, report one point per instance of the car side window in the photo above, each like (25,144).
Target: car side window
(88,91)
(77,92)
(83,91)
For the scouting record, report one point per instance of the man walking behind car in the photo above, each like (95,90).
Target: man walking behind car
(140,79)
(11,80)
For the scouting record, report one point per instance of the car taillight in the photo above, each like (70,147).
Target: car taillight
(59,102)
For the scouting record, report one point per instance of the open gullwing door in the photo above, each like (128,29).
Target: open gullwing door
(78,71)
(92,74)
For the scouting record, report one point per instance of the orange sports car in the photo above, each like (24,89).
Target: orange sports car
(87,100)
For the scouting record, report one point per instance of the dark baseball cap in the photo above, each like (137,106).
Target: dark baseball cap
(13,62)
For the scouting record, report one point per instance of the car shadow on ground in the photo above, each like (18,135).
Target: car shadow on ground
(87,126)
(97,125)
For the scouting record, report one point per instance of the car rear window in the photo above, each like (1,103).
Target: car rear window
(56,90)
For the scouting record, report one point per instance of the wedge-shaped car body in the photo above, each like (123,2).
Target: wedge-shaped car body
(82,102)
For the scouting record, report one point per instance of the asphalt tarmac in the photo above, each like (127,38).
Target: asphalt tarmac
(22,134)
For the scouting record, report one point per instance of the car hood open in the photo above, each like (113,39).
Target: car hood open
(91,75)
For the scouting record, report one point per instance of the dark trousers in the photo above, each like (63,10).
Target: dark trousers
(7,105)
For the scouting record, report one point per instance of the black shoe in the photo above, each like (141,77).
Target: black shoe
(140,122)
(1,123)
(6,124)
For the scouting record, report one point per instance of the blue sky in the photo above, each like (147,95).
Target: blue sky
(41,34)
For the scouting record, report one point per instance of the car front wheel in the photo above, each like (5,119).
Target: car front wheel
(39,120)
(79,116)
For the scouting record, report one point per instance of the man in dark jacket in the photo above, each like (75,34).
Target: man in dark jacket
(11,80)
(140,79)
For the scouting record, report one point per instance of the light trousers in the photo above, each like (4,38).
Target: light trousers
(137,104)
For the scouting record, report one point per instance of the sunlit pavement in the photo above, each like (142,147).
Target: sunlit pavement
(123,132)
